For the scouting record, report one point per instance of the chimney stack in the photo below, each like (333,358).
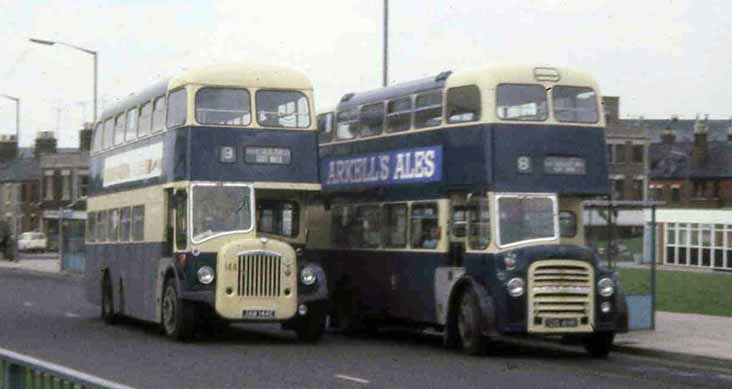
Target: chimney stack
(611,108)
(700,141)
(8,148)
(45,143)
(85,137)
(668,137)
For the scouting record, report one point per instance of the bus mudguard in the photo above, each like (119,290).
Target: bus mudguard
(487,308)
(317,291)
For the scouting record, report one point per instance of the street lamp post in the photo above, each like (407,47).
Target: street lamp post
(93,53)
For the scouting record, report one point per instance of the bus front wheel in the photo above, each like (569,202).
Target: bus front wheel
(468,324)
(108,314)
(599,344)
(311,327)
(178,317)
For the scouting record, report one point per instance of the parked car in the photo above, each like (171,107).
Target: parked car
(32,241)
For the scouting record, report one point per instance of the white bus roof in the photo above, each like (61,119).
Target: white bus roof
(243,75)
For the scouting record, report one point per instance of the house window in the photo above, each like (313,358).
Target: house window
(65,185)
(83,185)
(637,189)
(48,185)
(700,189)
(638,153)
(617,188)
(656,192)
(619,157)
(675,194)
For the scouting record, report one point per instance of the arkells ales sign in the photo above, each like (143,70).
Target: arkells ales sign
(405,166)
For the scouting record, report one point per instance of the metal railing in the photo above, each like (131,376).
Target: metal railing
(20,371)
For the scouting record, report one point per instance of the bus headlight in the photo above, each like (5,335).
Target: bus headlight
(606,287)
(205,275)
(307,276)
(515,287)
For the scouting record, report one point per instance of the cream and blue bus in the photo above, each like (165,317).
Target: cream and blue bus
(454,202)
(197,211)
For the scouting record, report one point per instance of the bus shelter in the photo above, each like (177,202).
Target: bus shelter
(72,227)
(624,235)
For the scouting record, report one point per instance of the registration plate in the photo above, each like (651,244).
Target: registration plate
(561,323)
(258,314)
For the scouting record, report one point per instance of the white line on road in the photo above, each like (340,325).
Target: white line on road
(71,314)
(354,379)
(27,304)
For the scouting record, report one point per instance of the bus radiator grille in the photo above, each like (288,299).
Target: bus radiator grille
(561,296)
(259,275)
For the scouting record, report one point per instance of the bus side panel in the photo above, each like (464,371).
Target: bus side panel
(135,266)
(399,284)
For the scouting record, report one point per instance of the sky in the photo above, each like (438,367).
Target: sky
(662,57)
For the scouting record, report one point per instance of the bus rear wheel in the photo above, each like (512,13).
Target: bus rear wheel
(468,324)
(599,344)
(107,311)
(178,317)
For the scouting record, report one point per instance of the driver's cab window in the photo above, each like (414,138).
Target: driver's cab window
(278,217)
(459,225)
(181,220)
(479,223)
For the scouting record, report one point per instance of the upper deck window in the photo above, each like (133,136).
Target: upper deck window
(575,104)
(325,127)
(145,121)
(372,119)
(428,109)
(131,132)
(108,133)
(521,102)
(399,114)
(288,109)
(463,104)
(177,108)
(158,121)
(119,129)
(346,124)
(223,106)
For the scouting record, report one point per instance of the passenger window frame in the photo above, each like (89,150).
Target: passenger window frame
(447,110)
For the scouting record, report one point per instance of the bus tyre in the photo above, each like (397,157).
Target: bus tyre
(468,324)
(311,327)
(598,345)
(108,314)
(178,317)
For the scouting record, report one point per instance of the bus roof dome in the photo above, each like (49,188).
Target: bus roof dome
(243,75)
(495,74)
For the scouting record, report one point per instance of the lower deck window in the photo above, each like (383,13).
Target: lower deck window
(425,228)
(138,223)
(395,222)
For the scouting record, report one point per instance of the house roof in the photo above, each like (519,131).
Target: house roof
(676,160)
(19,170)
(683,128)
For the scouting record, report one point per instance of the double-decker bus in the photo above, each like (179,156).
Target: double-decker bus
(455,202)
(197,203)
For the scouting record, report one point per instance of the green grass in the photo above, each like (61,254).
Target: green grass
(683,292)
